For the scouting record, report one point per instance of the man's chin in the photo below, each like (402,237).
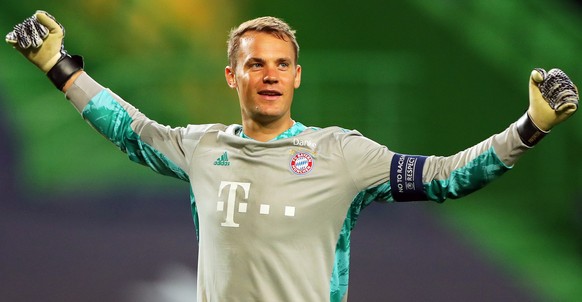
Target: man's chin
(269,117)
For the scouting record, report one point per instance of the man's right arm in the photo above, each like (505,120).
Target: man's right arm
(40,39)
(145,141)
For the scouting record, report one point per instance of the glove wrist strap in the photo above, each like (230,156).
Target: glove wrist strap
(64,69)
(529,133)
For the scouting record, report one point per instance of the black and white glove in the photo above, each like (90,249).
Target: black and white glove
(553,98)
(40,39)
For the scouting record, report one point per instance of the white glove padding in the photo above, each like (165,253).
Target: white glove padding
(40,39)
(553,98)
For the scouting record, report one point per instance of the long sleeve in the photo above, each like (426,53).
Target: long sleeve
(162,148)
(437,178)
(402,177)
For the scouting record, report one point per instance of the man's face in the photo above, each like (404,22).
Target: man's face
(265,77)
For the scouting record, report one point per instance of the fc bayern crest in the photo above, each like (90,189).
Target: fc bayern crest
(301,163)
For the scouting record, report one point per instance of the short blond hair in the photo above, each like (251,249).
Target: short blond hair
(271,25)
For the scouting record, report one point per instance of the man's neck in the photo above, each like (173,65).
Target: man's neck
(264,132)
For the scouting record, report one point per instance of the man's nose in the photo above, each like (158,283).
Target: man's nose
(270,76)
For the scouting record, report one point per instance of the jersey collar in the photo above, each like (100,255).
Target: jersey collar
(293,131)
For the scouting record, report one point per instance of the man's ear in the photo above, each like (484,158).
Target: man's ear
(297,81)
(230,77)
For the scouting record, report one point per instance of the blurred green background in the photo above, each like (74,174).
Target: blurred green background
(422,77)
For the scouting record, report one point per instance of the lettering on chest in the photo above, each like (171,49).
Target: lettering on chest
(231,206)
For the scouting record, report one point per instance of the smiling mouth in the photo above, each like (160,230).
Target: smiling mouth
(270,93)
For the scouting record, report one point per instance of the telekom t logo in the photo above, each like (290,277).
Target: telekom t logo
(231,203)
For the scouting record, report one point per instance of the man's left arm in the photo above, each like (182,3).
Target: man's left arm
(553,98)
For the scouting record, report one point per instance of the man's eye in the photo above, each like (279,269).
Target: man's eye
(256,65)
(284,65)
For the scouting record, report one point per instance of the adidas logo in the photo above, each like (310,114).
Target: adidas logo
(222,160)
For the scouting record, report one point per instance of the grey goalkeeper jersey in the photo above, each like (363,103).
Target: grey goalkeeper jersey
(273,219)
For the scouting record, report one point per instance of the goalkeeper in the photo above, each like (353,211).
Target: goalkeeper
(274,201)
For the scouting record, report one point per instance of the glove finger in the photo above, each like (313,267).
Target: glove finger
(538,75)
(49,22)
(564,98)
(22,36)
(42,31)
(567,108)
(33,33)
(11,38)
(557,89)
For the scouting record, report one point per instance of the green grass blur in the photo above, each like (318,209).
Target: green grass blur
(422,77)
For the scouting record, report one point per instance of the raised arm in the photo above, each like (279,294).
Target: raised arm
(553,98)
(40,39)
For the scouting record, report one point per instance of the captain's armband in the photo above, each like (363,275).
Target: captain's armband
(406,177)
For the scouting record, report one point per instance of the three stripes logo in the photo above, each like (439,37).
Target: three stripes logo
(222,160)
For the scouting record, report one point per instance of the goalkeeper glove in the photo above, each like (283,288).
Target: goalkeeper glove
(553,98)
(40,39)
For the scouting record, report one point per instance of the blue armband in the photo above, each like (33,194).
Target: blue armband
(406,177)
